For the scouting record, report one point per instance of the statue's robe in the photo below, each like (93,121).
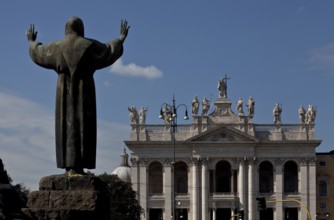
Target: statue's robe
(75,59)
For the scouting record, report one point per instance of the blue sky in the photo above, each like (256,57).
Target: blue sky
(274,51)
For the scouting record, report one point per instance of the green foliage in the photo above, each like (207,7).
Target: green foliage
(124,205)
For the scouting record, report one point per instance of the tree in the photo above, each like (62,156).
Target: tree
(124,204)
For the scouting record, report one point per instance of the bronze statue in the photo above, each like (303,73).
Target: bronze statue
(75,59)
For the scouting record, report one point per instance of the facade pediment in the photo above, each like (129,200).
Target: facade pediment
(223,134)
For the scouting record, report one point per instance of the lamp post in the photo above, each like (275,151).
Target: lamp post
(169,114)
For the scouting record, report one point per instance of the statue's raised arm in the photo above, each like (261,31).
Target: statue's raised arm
(31,33)
(124,30)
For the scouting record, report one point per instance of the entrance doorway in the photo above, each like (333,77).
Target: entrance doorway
(291,213)
(155,214)
(267,214)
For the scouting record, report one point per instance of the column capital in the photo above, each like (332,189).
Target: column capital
(204,161)
(143,162)
(242,160)
(312,161)
(167,162)
(195,161)
(303,161)
(134,161)
(252,160)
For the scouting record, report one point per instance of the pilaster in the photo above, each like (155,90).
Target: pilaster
(143,185)
(304,185)
(168,189)
(252,213)
(204,189)
(242,183)
(278,188)
(195,190)
(313,187)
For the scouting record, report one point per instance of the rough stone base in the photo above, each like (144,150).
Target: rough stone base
(61,197)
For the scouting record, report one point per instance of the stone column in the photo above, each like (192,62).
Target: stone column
(168,189)
(143,185)
(312,187)
(241,183)
(213,213)
(303,187)
(134,175)
(233,213)
(195,190)
(205,189)
(251,190)
(232,181)
(278,188)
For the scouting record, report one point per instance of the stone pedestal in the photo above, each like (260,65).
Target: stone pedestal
(62,197)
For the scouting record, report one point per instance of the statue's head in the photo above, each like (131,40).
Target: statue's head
(74,25)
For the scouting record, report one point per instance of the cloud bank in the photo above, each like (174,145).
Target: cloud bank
(149,72)
(27,145)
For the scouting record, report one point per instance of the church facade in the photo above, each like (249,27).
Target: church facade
(216,166)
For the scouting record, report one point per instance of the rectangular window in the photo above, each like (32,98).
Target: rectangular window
(323,205)
(323,188)
(322,163)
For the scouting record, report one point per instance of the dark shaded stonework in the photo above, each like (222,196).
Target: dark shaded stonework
(62,197)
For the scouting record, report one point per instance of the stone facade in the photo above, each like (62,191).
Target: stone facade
(325,189)
(220,163)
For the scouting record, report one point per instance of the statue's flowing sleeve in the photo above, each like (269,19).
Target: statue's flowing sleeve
(106,54)
(47,56)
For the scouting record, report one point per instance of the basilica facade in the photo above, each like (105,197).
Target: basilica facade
(217,165)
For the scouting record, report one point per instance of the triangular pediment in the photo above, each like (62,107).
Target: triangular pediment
(223,134)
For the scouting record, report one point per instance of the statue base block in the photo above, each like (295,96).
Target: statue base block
(63,197)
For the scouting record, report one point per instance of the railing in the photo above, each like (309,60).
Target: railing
(257,127)
(158,195)
(291,193)
(224,194)
(283,127)
(261,131)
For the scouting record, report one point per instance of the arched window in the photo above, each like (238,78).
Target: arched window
(155,178)
(181,177)
(323,188)
(266,177)
(223,176)
(290,177)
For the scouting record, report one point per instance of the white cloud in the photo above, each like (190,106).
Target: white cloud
(323,57)
(149,72)
(27,145)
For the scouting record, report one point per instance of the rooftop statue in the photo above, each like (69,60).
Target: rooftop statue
(240,106)
(277,113)
(302,113)
(205,106)
(133,116)
(310,115)
(142,115)
(222,87)
(195,105)
(75,58)
(251,106)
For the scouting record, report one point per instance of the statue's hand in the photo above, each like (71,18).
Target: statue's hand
(124,30)
(31,33)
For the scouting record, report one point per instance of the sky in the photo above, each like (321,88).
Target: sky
(274,51)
